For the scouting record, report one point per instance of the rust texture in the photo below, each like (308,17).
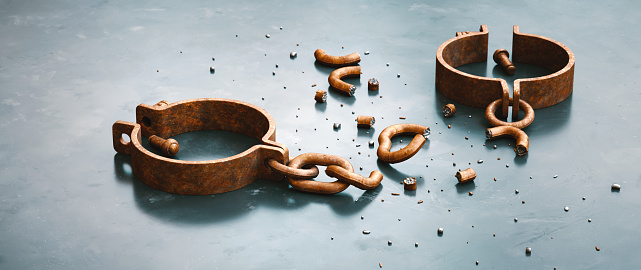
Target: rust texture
(372,84)
(385,142)
(465,175)
(449,110)
(321,96)
(522,140)
(409,183)
(364,121)
(168,147)
(292,172)
(366,183)
(201,177)
(521,124)
(502,57)
(335,79)
(478,92)
(336,61)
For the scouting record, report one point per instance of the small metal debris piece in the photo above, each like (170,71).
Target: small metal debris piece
(416,244)
(293,54)
(466,175)
(398,75)
(583,198)
(494,146)
(448,126)
(471,193)
(395,194)
(212,69)
(273,72)
(389,242)
(516,191)
(522,202)
(449,110)
(409,183)
(337,125)
(479,161)
(616,187)
(276,65)
(439,231)
(566,209)
(528,250)
(477,262)
(371,143)
(516,219)
(502,57)
(387,64)
(366,232)
(555,176)
(213,59)
(469,116)
(420,202)
(366,52)
(281,28)
(507,165)
(358,145)
(372,84)
(597,248)
(267,36)
(589,220)
(364,121)
(380,265)
(402,118)
(467,138)
(362,217)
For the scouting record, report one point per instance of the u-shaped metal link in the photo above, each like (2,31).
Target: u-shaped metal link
(385,142)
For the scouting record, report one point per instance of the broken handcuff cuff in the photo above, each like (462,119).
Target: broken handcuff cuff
(270,160)
(493,93)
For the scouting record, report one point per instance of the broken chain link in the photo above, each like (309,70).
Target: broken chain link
(385,142)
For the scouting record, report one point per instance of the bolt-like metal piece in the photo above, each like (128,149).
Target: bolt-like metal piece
(439,231)
(449,110)
(337,125)
(389,243)
(293,54)
(528,250)
(502,57)
(616,187)
(364,121)
(372,84)
(366,232)
(168,147)
(212,69)
(321,96)
(371,143)
(409,183)
(466,175)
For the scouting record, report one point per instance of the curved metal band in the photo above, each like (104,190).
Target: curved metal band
(200,177)
(335,79)
(354,179)
(478,92)
(523,123)
(336,61)
(385,142)
(522,140)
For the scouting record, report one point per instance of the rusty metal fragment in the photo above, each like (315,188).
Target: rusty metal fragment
(522,140)
(335,79)
(200,177)
(502,57)
(372,84)
(385,142)
(521,124)
(409,183)
(336,61)
(466,175)
(449,110)
(364,121)
(321,96)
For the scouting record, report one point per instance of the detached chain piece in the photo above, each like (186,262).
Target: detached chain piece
(385,142)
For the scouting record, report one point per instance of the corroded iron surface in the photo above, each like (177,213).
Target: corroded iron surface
(478,92)
(200,177)
(385,142)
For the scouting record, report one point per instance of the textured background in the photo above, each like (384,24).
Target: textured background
(70,69)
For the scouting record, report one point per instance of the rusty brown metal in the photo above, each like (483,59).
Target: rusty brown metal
(466,175)
(168,147)
(385,142)
(321,96)
(364,121)
(354,179)
(292,172)
(335,79)
(372,84)
(522,140)
(478,92)
(449,110)
(316,186)
(502,57)
(409,183)
(521,124)
(336,61)
(201,177)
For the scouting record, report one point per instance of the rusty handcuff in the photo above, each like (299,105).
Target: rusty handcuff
(493,93)
(268,160)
